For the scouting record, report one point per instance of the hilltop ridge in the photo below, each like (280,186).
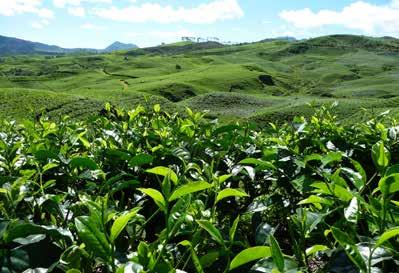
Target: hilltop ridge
(16,46)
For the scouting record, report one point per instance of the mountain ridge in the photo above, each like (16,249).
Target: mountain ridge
(17,46)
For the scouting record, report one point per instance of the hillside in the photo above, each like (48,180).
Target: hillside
(119,46)
(262,82)
(15,46)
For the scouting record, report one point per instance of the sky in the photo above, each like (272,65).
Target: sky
(98,23)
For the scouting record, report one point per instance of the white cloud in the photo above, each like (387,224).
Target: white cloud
(91,26)
(77,11)
(40,24)
(168,35)
(152,37)
(211,12)
(63,3)
(362,16)
(15,7)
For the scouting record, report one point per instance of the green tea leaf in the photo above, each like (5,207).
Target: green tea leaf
(23,230)
(156,196)
(249,255)
(165,172)
(392,170)
(314,199)
(381,156)
(189,188)
(389,184)
(194,257)
(342,237)
(157,108)
(387,235)
(277,255)
(212,230)
(233,229)
(121,222)
(141,159)
(230,193)
(210,258)
(331,157)
(94,238)
(315,248)
(335,190)
(84,163)
(360,170)
(259,163)
(350,248)
(355,177)
(223,178)
(49,166)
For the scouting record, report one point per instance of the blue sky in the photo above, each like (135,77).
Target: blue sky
(97,23)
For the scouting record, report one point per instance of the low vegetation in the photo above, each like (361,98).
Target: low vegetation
(277,77)
(149,191)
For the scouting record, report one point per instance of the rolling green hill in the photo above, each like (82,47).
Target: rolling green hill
(264,81)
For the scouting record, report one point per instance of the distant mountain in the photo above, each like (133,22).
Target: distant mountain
(15,46)
(119,46)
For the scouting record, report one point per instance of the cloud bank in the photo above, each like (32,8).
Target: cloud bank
(207,13)
(361,16)
(15,7)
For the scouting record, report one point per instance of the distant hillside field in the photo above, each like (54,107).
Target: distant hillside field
(266,81)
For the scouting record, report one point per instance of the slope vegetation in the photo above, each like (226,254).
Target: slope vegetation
(261,81)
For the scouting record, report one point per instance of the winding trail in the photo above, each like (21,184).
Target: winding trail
(117,75)
(125,84)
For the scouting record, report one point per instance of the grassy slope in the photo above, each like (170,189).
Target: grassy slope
(356,71)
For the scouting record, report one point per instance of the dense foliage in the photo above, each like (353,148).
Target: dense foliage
(147,191)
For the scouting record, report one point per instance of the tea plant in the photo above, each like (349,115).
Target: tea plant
(149,191)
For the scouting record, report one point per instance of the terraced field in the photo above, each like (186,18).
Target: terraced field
(260,81)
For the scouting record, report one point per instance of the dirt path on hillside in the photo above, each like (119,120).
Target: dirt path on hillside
(124,83)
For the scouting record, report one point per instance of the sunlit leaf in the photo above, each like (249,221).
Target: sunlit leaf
(189,188)
(230,193)
(381,156)
(352,211)
(121,222)
(156,196)
(165,172)
(389,184)
(315,248)
(249,255)
(387,235)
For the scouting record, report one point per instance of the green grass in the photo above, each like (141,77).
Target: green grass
(354,70)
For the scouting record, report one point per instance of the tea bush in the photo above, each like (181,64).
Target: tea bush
(149,191)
